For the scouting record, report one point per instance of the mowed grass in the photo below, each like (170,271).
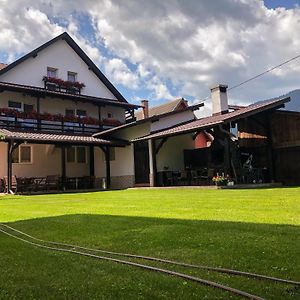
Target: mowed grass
(250,230)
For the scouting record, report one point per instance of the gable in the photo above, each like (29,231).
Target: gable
(65,55)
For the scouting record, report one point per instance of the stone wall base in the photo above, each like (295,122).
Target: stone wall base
(122,182)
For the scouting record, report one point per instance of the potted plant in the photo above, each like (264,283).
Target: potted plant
(220,180)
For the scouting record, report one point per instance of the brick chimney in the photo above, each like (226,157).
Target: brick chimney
(145,104)
(219,99)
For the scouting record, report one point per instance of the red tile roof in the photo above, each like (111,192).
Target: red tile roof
(163,108)
(212,121)
(52,138)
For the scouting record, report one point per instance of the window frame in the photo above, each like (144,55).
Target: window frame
(20,155)
(52,69)
(76,155)
(70,73)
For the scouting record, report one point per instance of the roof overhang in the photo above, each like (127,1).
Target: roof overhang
(150,119)
(213,121)
(41,92)
(56,138)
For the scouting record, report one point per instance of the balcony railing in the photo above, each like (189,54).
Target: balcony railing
(54,123)
(56,84)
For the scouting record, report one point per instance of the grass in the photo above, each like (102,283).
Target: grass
(250,230)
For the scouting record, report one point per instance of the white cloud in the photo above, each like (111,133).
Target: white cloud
(191,44)
(118,71)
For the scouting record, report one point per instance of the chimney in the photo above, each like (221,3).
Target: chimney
(219,99)
(145,104)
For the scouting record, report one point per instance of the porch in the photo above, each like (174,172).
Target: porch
(61,162)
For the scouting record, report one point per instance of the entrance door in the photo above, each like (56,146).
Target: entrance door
(141,162)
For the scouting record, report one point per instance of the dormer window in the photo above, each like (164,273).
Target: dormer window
(72,76)
(51,72)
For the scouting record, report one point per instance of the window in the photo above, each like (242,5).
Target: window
(110,115)
(70,112)
(15,105)
(51,72)
(71,154)
(22,154)
(76,154)
(72,76)
(81,113)
(81,154)
(28,108)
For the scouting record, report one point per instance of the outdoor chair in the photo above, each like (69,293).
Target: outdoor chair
(14,184)
(52,182)
(208,176)
(183,178)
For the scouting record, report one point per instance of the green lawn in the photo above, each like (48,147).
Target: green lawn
(249,230)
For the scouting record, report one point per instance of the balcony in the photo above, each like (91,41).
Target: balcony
(56,84)
(33,121)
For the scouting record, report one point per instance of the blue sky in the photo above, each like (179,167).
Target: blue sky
(281,3)
(161,50)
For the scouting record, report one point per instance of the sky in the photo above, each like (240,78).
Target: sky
(161,50)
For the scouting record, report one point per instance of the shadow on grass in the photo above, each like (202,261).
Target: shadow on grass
(261,248)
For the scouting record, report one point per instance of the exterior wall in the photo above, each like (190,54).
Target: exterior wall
(172,120)
(171,154)
(61,56)
(46,160)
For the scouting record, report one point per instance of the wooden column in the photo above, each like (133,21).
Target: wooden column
(107,165)
(9,166)
(152,163)
(92,161)
(271,153)
(63,167)
(38,110)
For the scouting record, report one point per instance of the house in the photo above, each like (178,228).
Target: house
(52,100)
(60,117)
(244,145)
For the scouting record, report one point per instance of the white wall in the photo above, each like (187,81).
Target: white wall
(61,56)
(171,153)
(172,120)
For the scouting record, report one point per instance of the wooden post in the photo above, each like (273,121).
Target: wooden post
(152,162)
(9,166)
(38,110)
(107,164)
(270,150)
(92,161)
(63,167)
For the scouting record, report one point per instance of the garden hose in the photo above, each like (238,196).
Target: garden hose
(208,268)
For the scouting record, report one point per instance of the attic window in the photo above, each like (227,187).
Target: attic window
(51,72)
(72,76)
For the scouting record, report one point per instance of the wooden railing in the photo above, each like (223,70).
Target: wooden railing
(50,126)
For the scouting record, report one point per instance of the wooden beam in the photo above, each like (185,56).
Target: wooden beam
(92,161)
(11,146)
(63,167)
(159,146)
(106,152)
(107,164)
(271,152)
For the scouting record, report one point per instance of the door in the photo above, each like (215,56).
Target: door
(141,162)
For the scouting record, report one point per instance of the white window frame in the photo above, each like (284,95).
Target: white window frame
(76,158)
(52,69)
(72,74)
(19,155)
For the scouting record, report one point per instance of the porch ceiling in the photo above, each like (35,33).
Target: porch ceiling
(54,138)
(213,121)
